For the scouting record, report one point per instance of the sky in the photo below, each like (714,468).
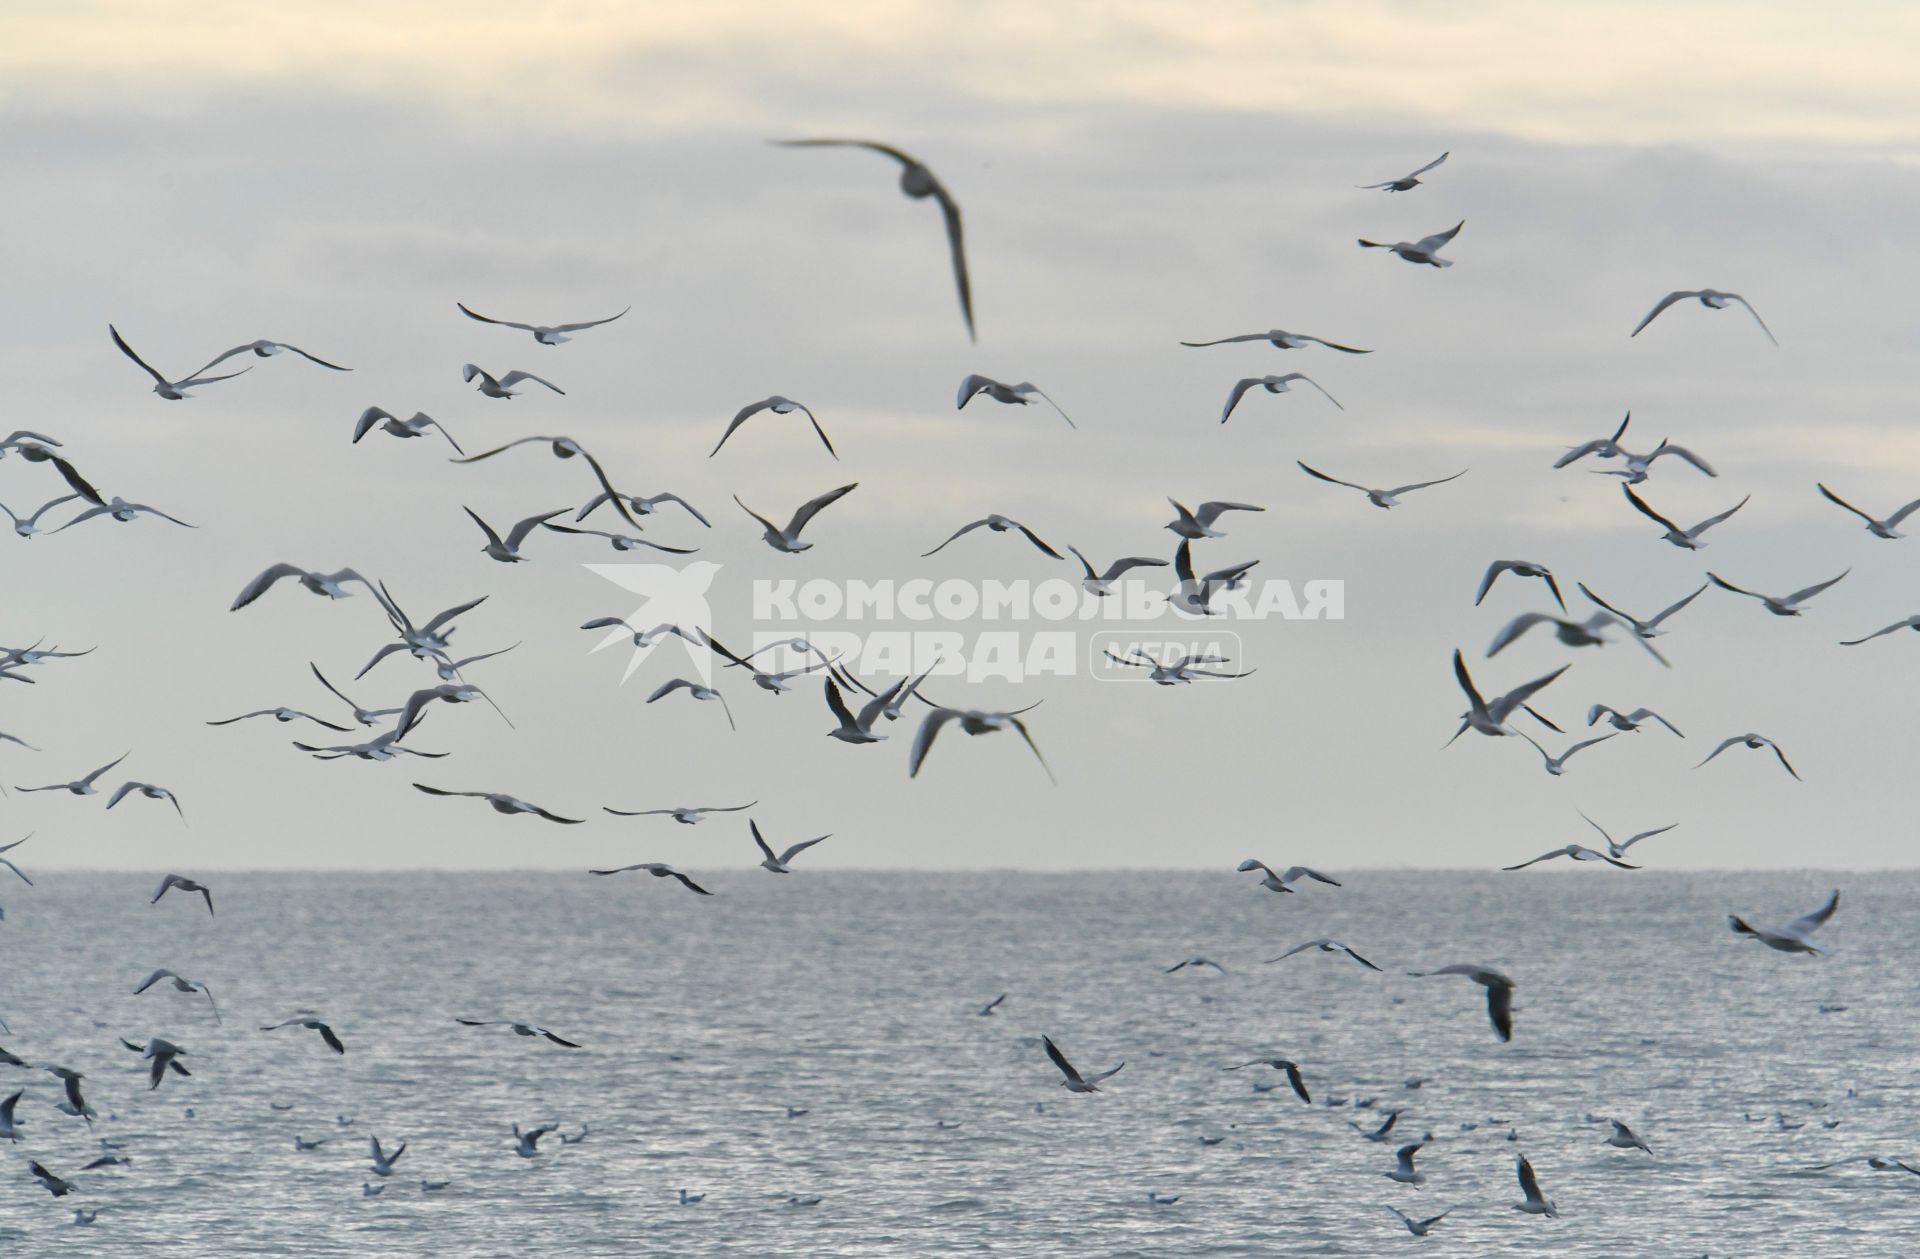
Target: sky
(1132,175)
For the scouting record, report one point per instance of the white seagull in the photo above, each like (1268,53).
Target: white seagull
(1888,528)
(312,1024)
(1712,299)
(1075,1082)
(1587,633)
(1578,852)
(687,816)
(1912,623)
(1492,718)
(180,984)
(1419,1228)
(787,540)
(81,786)
(1101,584)
(1629,721)
(1324,945)
(1686,539)
(1410,180)
(1791,938)
(1291,1067)
(526,1144)
(1403,1168)
(1279,339)
(779,406)
(173,881)
(1650,628)
(1284,880)
(1618,848)
(1199,523)
(698,692)
(973,721)
(382,1161)
(507,551)
(1499,992)
(267,349)
(1425,250)
(1623,1138)
(163,1054)
(1784,605)
(326,585)
(659,870)
(521,1029)
(27,526)
(1001,524)
(639,505)
(778,865)
(503,387)
(1194,595)
(565,448)
(1382,498)
(1557,765)
(1536,1203)
(545,334)
(415,425)
(502,804)
(1272,384)
(150,791)
(171,390)
(121,510)
(1519,568)
(1756,742)
(1021,394)
(619,541)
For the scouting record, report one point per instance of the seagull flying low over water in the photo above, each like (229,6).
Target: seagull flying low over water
(689,816)
(697,691)
(787,540)
(1381,498)
(1618,848)
(173,881)
(503,387)
(1686,539)
(1284,880)
(1783,605)
(779,406)
(659,870)
(527,1144)
(1419,1228)
(973,721)
(1075,1082)
(1888,528)
(779,864)
(1101,584)
(1403,1168)
(1291,1067)
(1712,299)
(1519,568)
(917,182)
(1379,1134)
(1499,992)
(1272,384)
(9,1127)
(415,425)
(313,1024)
(1324,945)
(1756,742)
(521,1029)
(1194,963)
(382,1161)
(150,791)
(986,1011)
(1579,852)
(7,848)
(172,390)
(1792,938)
(545,334)
(1021,394)
(1426,250)
(1409,181)
(1001,524)
(502,803)
(162,1054)
(1279,339)
(1623,1138)
(1557,765)
(51,1183)
(1537,1203)
(180,984)
(1199,522)
(1622,720)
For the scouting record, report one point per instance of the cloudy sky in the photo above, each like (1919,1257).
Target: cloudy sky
(1132,175)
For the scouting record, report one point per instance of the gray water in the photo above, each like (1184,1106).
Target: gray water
(853,996)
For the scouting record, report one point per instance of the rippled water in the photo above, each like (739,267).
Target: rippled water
(853,996)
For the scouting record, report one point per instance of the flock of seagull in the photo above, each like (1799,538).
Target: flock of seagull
(379,734)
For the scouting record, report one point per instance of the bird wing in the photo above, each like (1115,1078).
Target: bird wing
(1299,872)
(1668,448)
(485,528)
(1628,843)
(1640,714)
(1893,520)
(1316,384)
(505,323)
(1640,506)
(488,454)
(261,584)
(1711,521)
(1060,1060)
(668,687)
(581,327)
(368,418)
(1500,1009)
(524,527)
(1529,1185)
(741,417)
(1585,743)
(972,385)
(839,706)
(1021,726)
(963,529)
(1421,485)
(1678,295)
(800,847)
(1331,345)
(688,883)
(1245,336)
(1514,629)
(1486,583)
(437,622)
(814,507)
(1897,625)
(1035,539)
(1545,856)
(128,351)
(1756,316)
(956,245)
(1801,596)
(755,828)
(1724,745)
(1211,511)
(513,378)
(1666,612)
(1428,244)
(1466,682)
(1727,585)
(1239,391)
(1333,480)
(1785,764)
(1429,166)
(1601,446)
(923,739)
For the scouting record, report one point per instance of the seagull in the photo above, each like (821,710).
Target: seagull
(185,885)
(365,716)
(508,552)
(6,848)
(545,334)
(1409,181)
(1519,568)
(433,1186)
(1425,250)
(621,541)
(1791,938)
(777,683)
(1403,1169)
(151,792)
(328,585)
(1283,881)
(381,748)
(1536,1203)
(1324,945)
(412,712)
(74,1104)
(1557,765)
(1196,963)
(123,511)
(787,540)
(415,425)
(180,984)
(40,454)
(779,406)
(973,721)
(1419,1228)
(1648,628)
(502,803)
(526,1144)
(370,1190)
(171,390)
(1624,1139)
(51,1183)
(688,1199)
(267,349)
(382,1161)
(1021,394)
(1874,1161)
(1638,467)
(314,1024)
(659,870)
(1628,721)
(567,1140)
(1576,851)
(429,641)
(1619,848)
(164,1054)
(503,387)
(1382,498)
(1785,605)
(1686,539)
(1272,384)
(1378,1134)
(1888,528)
(639,506)
(1101,584)
(81,786)
(986,1011)
(1162,1199)
(1585,633)
(698,692)
(778,865)
(1199,523)
(1492,718)
(859,729)
(1499,992)
(1177,670)
(107,1160)
(565,448)
(27,526)
(1194,595)
(918,183)
(685,815)
(1075,1082)
(1291,1067)
(9,1128)
(521,1029)
(1912,623)
(1279,339)
(1712,299)
(1754,741)
(999,524)
(83,1217)
(641,637)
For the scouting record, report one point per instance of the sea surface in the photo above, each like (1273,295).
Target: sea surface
(853,997)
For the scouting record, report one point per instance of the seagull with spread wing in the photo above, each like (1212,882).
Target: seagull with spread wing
(1712,299)
(545,334)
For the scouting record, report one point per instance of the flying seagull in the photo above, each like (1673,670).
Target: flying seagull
(527,1144)
(521,1029)
(1650,628)
(918,183)
(326,585)
(1784,605)
(1618,848)
(508,551)
(1291,1067)
(778,865)
(1410,180)
(1499,992)
(1578,852)
(415,425)
(1199,523)
(502,803)
(659,870)
(1557,765)
(1712,299)
(1324,945)
(28,526)
(383,747)
(267,349)
(171,390)
(1791,938)
(1756,742)
(779,406)
(180,984)
(1587,633)
(1101,583)
(81,786)
(150,791)
(382,1161)
(51,1183)
(365,716)
(1912,623)
(7,848)
(1021,394)
(1623,1138)
(619,541)
(34,453)
(1272,384)
(1381,498)
(1075,1082)
(1279,339)
(1519,568)
(1419,1228)
(1194,595)
(545,334)
(172,881)
(162,1054)
(787,540)
(123,511)
(1403,1169)
(1492,718)
(689,816)
(310,1022)
(1425,250)
(1196,963)
(986,1011)
(1621,720)
(565,448)
(1002,524)
(1284,880)
(1686,539)
(973,721)
(1888,528)
(639,506)
(503,387)
(697,691)
(1536,1203)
